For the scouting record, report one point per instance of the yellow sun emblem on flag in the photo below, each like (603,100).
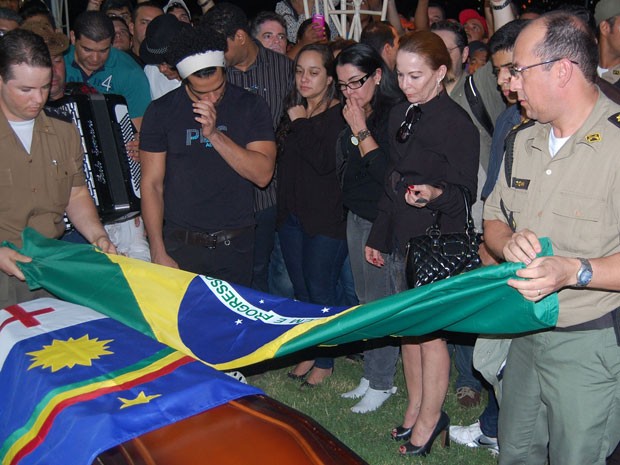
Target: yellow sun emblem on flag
(66,354)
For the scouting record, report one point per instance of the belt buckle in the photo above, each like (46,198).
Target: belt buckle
(211,241)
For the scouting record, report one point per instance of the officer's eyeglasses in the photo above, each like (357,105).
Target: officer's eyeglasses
(516,71)
(412,116)
(354,84)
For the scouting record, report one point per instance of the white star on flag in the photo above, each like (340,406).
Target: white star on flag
(261,301)
(325,310)
(238,322)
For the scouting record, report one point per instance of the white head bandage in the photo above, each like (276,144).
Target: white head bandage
(189,65)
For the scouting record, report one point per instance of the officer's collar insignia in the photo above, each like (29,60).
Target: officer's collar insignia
(594,137)
(521,184)
(616,72)
(615,119)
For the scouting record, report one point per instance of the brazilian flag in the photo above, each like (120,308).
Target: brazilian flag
(229,326)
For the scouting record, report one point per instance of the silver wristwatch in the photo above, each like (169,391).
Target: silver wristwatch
(584,274)
(362,135)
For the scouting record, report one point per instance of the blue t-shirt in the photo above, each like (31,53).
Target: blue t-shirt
(201,191)
(120,75)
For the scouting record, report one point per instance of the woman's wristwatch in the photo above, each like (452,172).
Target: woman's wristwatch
(361,136)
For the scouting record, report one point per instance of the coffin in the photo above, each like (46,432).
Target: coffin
(255,429)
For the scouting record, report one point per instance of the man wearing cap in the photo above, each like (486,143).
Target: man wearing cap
(474,24)
(607,16)
(162,77)
(179,9)
(41,164)
(203,146)
(57,43)
(270,75)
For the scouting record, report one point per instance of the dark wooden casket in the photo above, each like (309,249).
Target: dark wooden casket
(256,430)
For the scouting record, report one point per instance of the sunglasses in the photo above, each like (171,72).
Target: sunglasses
(358,83)
(412,116)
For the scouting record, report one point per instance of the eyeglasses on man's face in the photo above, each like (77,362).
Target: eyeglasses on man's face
(516,71)
(412,116)
(353,85)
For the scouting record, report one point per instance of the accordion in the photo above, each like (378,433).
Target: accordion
(105,127)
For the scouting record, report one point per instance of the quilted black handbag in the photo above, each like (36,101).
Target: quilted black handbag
(436,255)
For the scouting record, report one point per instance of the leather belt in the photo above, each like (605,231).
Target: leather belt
(208,240)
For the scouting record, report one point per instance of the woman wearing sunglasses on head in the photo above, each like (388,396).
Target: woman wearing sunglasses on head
(369,90)
(433,150)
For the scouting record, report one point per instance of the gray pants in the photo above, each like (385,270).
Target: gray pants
(561,389)
(371,283)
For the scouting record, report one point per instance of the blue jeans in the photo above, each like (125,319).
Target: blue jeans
(371,283)
(345,289)
(264,235)
(279,282)
(490,416)
(463,346)
(314,264)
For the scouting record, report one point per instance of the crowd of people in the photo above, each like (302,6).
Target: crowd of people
(279,156)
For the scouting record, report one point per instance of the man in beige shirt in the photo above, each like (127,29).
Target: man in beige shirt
(41,173)
(561,390)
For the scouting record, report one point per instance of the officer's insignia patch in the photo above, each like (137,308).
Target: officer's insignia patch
(615,119)
(596,137)
(616,72)
(522,184)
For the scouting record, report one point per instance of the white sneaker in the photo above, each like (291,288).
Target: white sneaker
(359,391)
(472,436)
(372,400)
(237,375)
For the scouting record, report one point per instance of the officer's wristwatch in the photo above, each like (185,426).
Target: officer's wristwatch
(584,274)
(362,135)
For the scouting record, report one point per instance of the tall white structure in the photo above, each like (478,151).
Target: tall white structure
(345,15)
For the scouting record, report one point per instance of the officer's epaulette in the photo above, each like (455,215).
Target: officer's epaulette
(615,119)
(58,113)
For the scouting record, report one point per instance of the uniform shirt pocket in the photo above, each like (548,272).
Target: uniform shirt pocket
(577,218)
(62,180)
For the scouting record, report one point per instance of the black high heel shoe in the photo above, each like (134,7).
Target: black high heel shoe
(441,428)
(400,433)
(295,377)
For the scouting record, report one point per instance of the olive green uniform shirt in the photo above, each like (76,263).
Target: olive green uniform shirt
(35,188)
(572,198)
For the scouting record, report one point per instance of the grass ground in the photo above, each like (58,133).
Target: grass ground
(368,434)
